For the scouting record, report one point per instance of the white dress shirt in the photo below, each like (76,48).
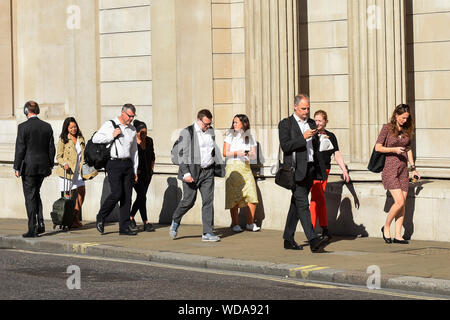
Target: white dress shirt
(304,126)
(206,144)
(126,143)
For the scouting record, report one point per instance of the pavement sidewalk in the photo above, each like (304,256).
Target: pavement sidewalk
(421,266)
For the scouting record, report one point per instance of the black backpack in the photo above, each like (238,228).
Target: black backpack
(97,155)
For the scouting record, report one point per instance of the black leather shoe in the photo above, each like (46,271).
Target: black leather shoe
(387,240)
(100,224)
(148,227)
(41,228)
(318,244)
(30,234)
(128,232)
(401,241)
(292,245)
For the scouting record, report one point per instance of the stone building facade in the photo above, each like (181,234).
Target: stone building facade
(356,59)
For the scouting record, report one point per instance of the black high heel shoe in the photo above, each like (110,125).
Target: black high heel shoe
(400,241)
(387,240)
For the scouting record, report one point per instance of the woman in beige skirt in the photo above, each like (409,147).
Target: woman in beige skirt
(239,148)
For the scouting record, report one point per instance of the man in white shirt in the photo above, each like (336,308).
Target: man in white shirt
(196,170)
(300,145)
(121,168)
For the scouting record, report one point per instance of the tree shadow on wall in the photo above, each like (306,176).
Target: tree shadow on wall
(340,211)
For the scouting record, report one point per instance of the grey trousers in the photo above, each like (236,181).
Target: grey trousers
(205,184)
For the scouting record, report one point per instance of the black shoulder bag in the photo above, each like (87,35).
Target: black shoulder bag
(285,176)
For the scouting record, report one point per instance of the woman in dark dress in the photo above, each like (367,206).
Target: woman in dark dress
(394,141)
(145,172)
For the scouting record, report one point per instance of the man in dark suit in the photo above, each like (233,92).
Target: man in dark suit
(300,145)
(34,160)
(196,170)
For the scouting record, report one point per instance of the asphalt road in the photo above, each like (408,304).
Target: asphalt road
(33,275)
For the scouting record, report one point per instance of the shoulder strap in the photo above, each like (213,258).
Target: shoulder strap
(191,132)
(115,126)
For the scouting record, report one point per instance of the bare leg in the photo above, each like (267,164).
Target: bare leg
(251,214)
(395,211)
(234,216)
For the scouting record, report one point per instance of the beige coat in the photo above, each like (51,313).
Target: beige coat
(67,154)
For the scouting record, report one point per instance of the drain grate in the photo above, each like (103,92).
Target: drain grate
(426,251)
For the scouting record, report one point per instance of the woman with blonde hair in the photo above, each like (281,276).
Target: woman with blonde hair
(394,141)
(318,206)
(70,158)
(239,148)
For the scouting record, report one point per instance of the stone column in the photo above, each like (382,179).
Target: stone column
(6,74)
(376,30)
(272,68)
(271,59)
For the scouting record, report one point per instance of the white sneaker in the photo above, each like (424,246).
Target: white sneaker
(237,228)
(210,237)
(253,227)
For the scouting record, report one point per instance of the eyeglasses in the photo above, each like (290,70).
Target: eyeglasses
(130,116)
(207,125)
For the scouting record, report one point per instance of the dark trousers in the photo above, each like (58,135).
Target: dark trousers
(121,177)
(140,203)
(32,192)
(205,184)
(299,208)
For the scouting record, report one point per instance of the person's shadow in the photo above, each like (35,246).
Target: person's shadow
(172,197)
(340,212)
(413,192)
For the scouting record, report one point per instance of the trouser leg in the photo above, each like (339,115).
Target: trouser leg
(186,203)
(207,192)
(125,200)
(31,188)
(116,186)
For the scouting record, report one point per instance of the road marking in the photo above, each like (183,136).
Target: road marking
(81,248)
(304,271)
(238,274)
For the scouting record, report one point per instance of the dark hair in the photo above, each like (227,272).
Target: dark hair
(245,122)
(139,125)
(408,126)
(65,129)
(204,113)
(32,107)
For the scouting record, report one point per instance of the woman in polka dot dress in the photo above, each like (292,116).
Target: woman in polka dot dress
(395,141)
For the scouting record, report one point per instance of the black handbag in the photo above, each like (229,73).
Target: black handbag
(285,176)
(376,162)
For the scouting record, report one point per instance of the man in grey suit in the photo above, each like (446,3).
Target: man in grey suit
(300,145)
(196,169)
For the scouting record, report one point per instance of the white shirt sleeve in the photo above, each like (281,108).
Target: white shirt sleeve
(104,134)
(229,137)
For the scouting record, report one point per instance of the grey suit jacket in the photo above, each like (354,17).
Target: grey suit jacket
(191,159)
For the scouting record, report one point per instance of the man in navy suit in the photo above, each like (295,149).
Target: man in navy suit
(34,160)
(300,145)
